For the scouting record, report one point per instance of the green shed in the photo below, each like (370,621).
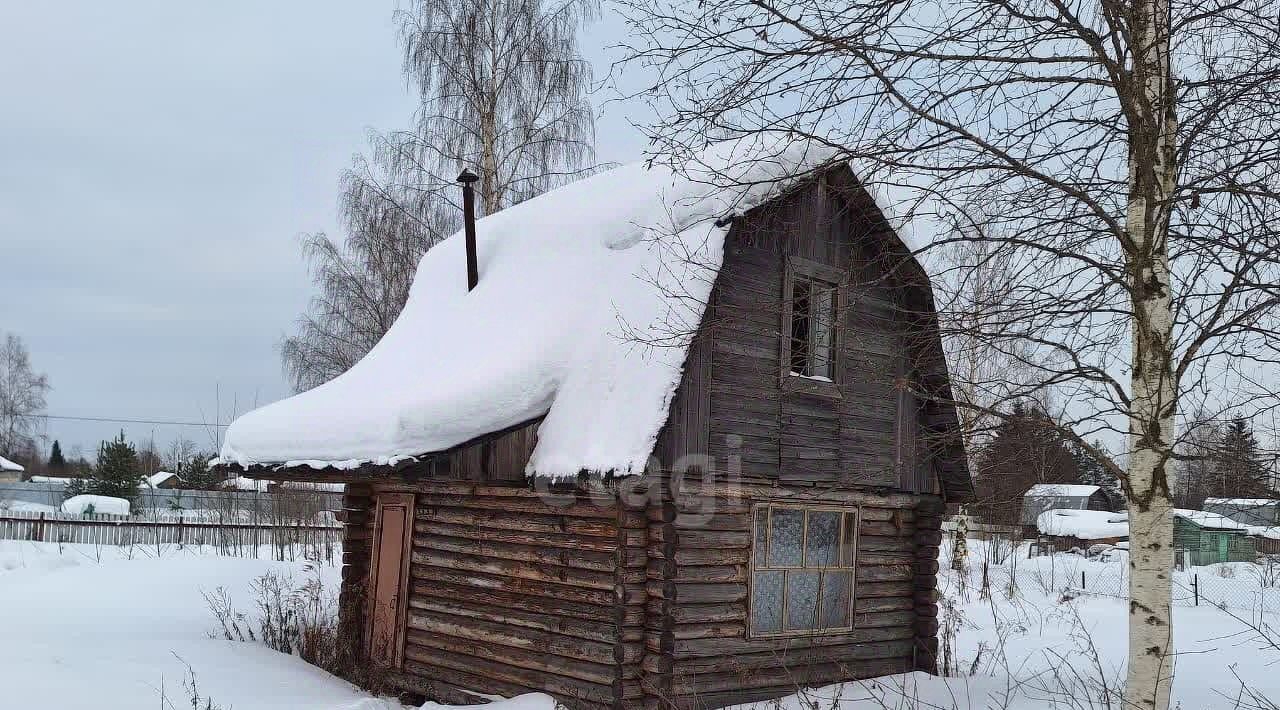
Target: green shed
(1208,538)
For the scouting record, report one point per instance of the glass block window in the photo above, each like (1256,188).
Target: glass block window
(802,570)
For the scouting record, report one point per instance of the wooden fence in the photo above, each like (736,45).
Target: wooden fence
(228,536)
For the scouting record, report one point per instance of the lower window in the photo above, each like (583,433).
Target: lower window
(802,570)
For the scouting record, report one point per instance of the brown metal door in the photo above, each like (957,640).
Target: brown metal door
(387,594)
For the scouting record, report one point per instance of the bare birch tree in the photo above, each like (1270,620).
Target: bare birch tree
(362,283)
(22,398)
(503,92)
(1121,157)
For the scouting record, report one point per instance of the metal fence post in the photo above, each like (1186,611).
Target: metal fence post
(1195,587)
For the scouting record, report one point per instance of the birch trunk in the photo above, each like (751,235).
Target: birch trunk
(1152,174)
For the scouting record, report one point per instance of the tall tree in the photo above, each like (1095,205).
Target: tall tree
(503,92)
(1237,468)
(117,474)
(1094,472)
(1122,154)
(57,462)
(22,398)
(364,282)
(1026,449)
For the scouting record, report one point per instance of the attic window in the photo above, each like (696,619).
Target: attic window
(813,327)
(802,570)
(810,327)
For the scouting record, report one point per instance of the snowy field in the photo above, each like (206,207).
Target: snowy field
(114,628)
(123,628)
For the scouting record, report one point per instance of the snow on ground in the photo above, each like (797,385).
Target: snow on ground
(87,627)
(109,627)
(22,506)
(1037,648)
(7,465)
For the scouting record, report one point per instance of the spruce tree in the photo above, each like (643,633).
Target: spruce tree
(56,460)
(1238,470)
(1093,473)
(116,474)
(1026,449)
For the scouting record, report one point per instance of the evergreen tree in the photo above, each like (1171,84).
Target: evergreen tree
(116,474)
(56,460)
(1093,473)
(1237,469)
(1026,449)
(196,473)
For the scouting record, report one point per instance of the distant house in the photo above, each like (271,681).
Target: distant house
(1065,529)
(1203,538)
(162,479)
(1060,496)
(1250,511)
(9,471)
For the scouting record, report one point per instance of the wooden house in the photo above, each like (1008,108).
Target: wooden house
(703,520)
(1207,538)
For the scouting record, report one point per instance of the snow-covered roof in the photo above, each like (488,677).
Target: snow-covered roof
(1066,490)
(241,483)
(101,505)
(1084,524)
(157,478)
(1271,532)
(7,465)
(1209,520)
(587,299)
(1242,502)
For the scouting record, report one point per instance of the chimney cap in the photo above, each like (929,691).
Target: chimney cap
(467,177)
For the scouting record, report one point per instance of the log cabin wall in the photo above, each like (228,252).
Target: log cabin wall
(512,591)
(867,445)
(357,537)
(701,652)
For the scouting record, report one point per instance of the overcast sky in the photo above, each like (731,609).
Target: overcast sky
(158,161)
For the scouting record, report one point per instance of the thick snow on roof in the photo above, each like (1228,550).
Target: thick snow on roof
(7,465)
(1271,532)
(1242,502)
(1084,524)
(1069,490)
(101,505)
(1209,520)
(155,479)
(586,300)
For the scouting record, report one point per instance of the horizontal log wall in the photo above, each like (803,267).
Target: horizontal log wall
(357,540)
(510,593)
(698,598)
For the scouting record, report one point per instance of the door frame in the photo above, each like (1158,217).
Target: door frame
(384,500)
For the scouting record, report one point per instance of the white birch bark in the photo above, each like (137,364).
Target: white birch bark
(1152,172)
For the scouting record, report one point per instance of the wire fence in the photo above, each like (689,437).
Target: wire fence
(310,534)
(1013,564)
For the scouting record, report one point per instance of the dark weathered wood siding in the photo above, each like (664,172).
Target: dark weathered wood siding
(700,653)
(734,403)
(511,591)
(634,592)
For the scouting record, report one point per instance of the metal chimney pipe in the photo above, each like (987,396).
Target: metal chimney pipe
(468,178)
